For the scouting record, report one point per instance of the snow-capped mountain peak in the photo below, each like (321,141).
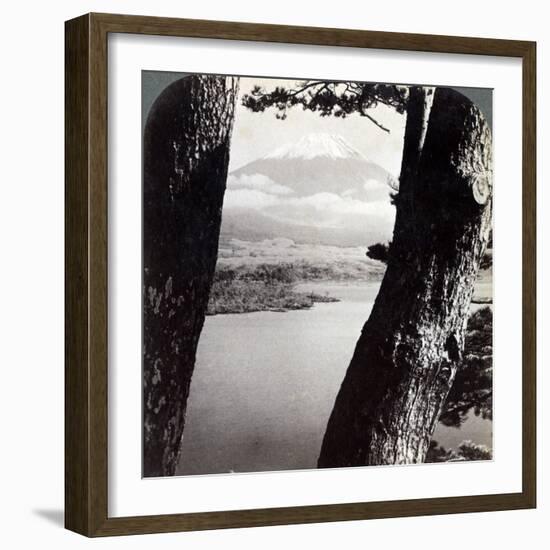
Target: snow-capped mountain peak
(319,187)
(311,146)
(316,163)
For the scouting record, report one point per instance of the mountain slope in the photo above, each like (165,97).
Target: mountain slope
(247,224)
(321,163)
(314,146)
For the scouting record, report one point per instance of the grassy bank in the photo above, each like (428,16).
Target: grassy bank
(265,287)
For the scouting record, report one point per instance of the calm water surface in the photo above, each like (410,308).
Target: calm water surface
(265,383)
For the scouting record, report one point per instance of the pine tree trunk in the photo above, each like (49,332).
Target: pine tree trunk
(407,355)
(186,157)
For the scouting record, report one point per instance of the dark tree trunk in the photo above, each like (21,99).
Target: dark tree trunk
(186,157)
(407,355)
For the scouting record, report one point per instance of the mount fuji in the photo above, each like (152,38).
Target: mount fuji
(322,163)
(316,145)
(319,190)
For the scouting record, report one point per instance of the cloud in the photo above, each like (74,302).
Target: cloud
(258,182)
(331,203)
(322,210)
(371,184)
(249,198)
(376,191)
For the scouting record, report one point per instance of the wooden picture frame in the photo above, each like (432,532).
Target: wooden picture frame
(86,283)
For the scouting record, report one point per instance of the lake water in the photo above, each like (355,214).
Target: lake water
(265,383)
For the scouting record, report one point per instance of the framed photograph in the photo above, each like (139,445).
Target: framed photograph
(300,275)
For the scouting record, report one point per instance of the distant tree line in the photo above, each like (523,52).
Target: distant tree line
(381,251)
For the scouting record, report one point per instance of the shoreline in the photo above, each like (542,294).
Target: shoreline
(255,297)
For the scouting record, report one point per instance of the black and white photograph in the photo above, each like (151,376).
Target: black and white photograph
(317,274)
(274,275)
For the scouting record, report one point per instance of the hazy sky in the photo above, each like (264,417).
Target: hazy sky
(256,134)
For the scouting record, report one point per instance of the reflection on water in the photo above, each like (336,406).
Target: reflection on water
(265,383)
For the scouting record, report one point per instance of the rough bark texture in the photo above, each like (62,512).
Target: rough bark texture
(407,355)
(186,157)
